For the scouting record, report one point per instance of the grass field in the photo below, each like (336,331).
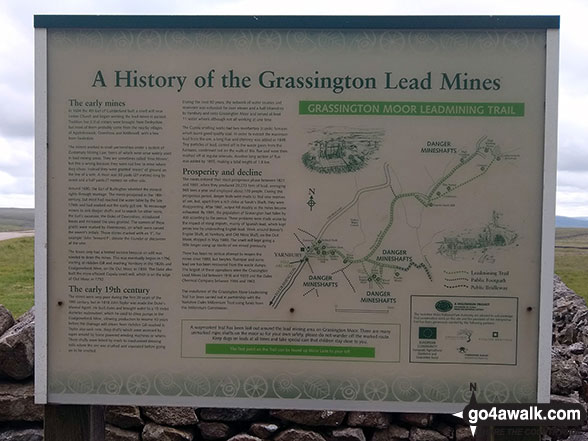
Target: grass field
(571,258)
(17,219)
(17,274)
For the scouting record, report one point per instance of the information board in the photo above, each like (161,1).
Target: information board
(295,212)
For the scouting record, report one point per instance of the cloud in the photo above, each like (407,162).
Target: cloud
(6,180)
(573,180)
(572,202)
(15,153)
(10,184)
(573,147)
(17,200)
(15,112)
(572,194)
(16,172)
(573,156)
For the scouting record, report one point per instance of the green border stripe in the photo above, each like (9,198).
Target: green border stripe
(411,108)
(290,350)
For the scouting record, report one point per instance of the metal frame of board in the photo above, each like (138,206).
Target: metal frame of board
(548,23)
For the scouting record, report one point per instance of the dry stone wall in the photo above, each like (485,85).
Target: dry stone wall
(21,419)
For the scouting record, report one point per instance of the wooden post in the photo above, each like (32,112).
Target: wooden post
(74,423)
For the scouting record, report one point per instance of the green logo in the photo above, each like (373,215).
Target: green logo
(427,333)
(443,306)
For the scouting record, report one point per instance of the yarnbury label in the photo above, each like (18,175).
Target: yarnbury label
(409,108)
(222,230)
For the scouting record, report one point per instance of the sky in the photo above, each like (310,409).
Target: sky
(17,71)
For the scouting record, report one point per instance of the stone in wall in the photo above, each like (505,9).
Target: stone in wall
(21,434)
(263,430)
(422,420)
(125,417)
(444,429)
(376,420)
(392,433)
(418,434)
(463,433)
(298,435)
(156,432)
(565,377)
(348,434)
(17,354)
(244,437)
(228,415)
(17,402)
(113,433)
(311,417)
(212,431)
(171,416)
(6,320)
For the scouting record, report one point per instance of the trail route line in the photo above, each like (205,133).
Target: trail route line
(371,263)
